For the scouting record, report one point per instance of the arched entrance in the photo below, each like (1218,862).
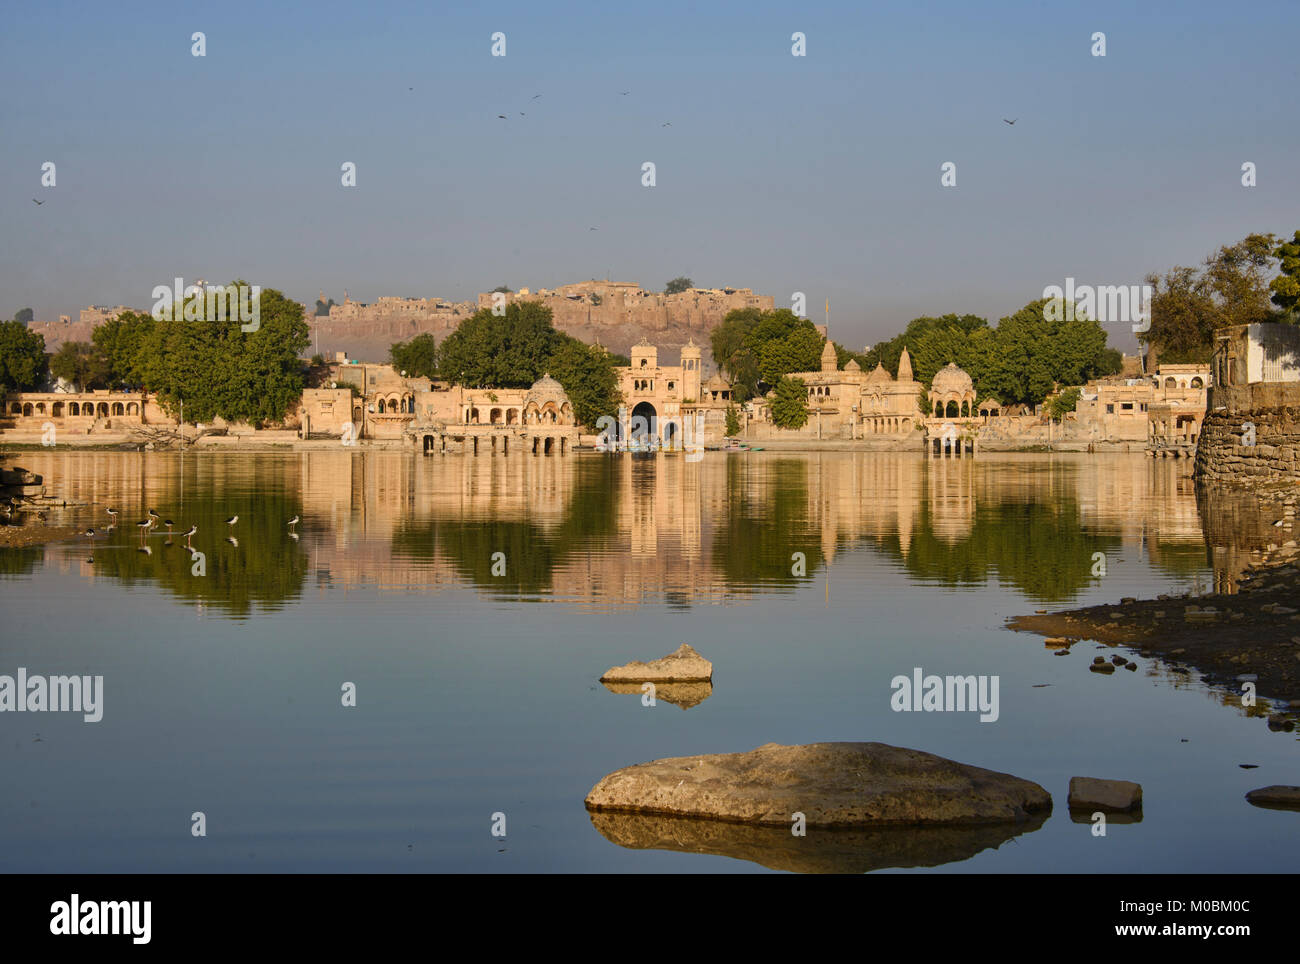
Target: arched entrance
(642,432)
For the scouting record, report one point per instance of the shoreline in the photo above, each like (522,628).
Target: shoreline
(1252,635)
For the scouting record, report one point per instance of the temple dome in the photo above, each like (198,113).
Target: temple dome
(546,389)
(951,380)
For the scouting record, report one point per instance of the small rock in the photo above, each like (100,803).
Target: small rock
(1118,660)
(1114,796)
(1128,600)
(1102,668)
(1131,667)
(1066,652)
(683,666)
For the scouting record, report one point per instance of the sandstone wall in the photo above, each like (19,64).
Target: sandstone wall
(1274,411)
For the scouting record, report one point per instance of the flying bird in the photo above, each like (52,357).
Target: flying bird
(503,116)
(535,96)
(1005,121)
(665,125)
(624,93)
(34,201)
(593,229)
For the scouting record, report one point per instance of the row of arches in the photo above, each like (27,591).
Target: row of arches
(78,409)
(532,414)
(952,409)
(393,405)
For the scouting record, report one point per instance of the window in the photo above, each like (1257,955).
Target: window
(1127,407)
(1110,409)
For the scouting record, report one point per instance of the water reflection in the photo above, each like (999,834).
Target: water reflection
(820,852)
(613,532)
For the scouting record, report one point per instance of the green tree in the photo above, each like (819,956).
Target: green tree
(214,367)
(1286,286)
(80,363)
(24,315)
(733,420)
(500,351)
(1063,403)
(790,403)
(678,285)
(23,362)
(587,374)
(1230,288)
(417,357)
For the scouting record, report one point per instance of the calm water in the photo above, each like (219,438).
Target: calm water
(477,693)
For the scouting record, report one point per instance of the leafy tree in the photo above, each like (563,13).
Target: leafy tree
(417,357)
(24,315)
(756,348)
(122,343)
(587,374)
(1230,288)
(213,366)
(1063,403)
(500,351)
(733,420)
(678,285)
(790,403)
(80,363)
(23,362)
(1286,286)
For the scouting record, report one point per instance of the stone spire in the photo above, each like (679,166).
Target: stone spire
(830,360)
(905,366)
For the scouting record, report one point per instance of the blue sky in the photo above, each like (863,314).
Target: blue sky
(818,174)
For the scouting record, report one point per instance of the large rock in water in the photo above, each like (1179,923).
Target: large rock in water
(683,666)
(831,784)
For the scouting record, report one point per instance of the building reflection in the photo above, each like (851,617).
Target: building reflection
(614,531)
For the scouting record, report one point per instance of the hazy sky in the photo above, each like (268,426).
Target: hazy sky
(818,174)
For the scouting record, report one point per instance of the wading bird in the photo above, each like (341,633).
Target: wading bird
(232,520)
(168,523)
(112,514)
(190,535)
(293,522)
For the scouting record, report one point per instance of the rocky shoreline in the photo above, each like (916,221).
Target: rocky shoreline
(1251,635)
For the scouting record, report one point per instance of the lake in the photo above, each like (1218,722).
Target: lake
(474,602)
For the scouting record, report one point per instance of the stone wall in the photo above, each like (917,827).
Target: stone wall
(1273,409)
